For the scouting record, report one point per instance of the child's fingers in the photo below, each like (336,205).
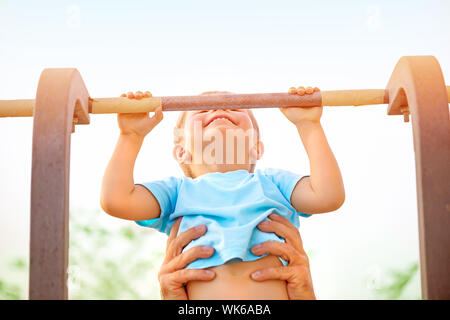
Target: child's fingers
(292,90)
(158,116)
(302,91)
(139,95)
(151,122)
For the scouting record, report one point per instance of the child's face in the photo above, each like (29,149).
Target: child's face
(213,120)
(219,136)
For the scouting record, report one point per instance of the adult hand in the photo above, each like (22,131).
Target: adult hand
(297,272)
(172,275)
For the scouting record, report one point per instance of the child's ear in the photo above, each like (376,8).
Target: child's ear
(181,155)
(260,149)
(257,150)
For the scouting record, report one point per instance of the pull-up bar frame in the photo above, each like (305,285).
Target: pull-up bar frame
(62,101)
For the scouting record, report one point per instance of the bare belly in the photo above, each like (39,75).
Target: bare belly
(233,281)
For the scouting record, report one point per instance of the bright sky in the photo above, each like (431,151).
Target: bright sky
(187,47)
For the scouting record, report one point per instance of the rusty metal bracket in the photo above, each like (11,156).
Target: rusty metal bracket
(61,97)
(417,86)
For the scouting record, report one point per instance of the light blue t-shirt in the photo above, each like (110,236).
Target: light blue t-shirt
(230,204)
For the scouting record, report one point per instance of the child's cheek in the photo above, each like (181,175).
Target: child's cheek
(192,122)
(245,123)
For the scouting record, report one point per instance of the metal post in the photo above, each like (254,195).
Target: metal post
(61,101)
(417,87)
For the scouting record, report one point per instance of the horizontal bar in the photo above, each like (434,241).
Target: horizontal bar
(355,97)
(24,108)
(241,101)
(16,108)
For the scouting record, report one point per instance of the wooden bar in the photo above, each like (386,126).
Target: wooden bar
(241,101)
(334,98)
(355,97)
(24,108)
(124,105)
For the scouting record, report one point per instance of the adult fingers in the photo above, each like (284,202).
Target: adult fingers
(176,242)
(172,236)
(172,283)
(299,282)
(282,220)
(174,231)
(181,277)
(274,273)
(185,238)
(182,260)
(294,230)
(291,236)
(285,251)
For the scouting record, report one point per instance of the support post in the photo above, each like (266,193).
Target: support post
(61,98)
(417,87)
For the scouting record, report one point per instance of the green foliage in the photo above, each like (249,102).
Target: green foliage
(116,262)
(396,283)
(10,291)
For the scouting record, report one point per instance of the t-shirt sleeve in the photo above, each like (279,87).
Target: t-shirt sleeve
(286,182)
(166,192)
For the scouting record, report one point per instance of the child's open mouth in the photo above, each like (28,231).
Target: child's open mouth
(220,118)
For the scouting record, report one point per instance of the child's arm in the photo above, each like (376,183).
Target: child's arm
(323,191)
(119,196)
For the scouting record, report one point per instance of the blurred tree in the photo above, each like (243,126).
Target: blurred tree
(116,263)
(396,282)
